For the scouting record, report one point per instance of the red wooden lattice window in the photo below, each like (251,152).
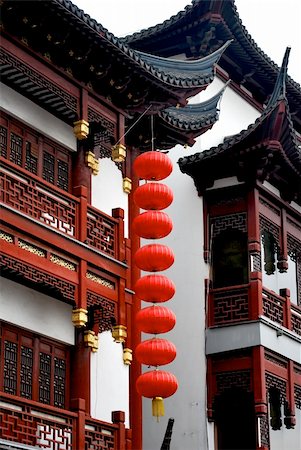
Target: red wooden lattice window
(34,367)
(35,153)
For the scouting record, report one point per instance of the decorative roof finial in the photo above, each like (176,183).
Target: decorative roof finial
(280,85)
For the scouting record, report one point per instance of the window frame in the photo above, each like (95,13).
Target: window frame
(39,344)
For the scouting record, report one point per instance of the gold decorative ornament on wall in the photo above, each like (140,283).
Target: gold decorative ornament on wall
(119,333)
(81,129)
(118,153)
(79,317)
(127,185)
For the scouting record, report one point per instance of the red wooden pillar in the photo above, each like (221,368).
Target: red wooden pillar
(118,417)
(259,389)
(290,418)
(255,292)
(282,263)
(81,219)
(287,319)
(80,370)
(81,175)
(78,405)
(211,390)
(136,401)
(118,214)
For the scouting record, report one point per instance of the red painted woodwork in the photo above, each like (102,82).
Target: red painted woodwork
(152,225)
(34,367)
(259,388)
(155,319)
(135,403)
(153,196)
(155,352)
(72,430)
(80,369)
(60,211)
(157,383)
(153,166)
(35,153)
(154,257)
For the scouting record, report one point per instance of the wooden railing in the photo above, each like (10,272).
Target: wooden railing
(47,427)
(233,304)
(279,309)
(66,213)
(228,304)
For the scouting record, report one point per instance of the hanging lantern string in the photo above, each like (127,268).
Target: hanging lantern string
(152,133)
(134,124)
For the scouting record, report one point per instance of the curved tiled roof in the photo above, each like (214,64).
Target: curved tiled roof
(287,133)
(195,116)
(180,74)
(244,50)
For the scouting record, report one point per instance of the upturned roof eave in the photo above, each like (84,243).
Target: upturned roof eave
(150,70)
(237,29)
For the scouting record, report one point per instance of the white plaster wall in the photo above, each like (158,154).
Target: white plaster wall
(285,439)
(235,115)
(107,190)
(28,112)
(27,308)
(109,380)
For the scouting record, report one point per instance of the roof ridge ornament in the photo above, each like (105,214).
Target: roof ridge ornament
(280,85)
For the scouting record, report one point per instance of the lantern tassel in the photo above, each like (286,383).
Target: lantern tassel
(158,407)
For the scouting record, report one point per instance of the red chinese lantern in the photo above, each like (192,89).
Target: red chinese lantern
(152,166)
(154,288)
(155,352)
(154,257)
(153,196)
(155,319)
(157,384)
(152,225)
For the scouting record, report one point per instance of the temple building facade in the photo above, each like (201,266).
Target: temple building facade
(78,106)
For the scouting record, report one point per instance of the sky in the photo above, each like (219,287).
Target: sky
(273,24)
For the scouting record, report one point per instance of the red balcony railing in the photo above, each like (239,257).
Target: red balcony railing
(229,304)
(51,428)
(234,304)
(279,309)
(64,212)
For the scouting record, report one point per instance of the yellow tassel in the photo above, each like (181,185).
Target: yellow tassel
(158,407)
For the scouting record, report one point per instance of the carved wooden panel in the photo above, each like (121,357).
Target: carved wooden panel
(231,306)
(43,281)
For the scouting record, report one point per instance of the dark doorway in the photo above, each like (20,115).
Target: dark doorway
(230,259)
(235,420)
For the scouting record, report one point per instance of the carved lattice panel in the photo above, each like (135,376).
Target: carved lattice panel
(99,438)
(26,372)
(232,221)
(298,396)
(22,426)
(44,378)
(273,307)
(25,195)
(101,232)
(236,379)
(59,382)
(296,323)
(265,430)
(230,306)
(278,383)
(10,367)
(53,285)
(104,311)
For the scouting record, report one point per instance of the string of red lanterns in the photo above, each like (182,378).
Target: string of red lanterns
(153,224)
